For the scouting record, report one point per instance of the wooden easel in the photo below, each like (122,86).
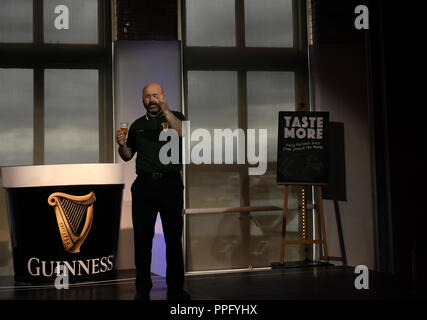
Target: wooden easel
(302,208)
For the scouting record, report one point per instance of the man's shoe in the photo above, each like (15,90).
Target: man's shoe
(178,295)
(142,296)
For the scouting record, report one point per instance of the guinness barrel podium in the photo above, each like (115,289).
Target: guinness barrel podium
(64,216)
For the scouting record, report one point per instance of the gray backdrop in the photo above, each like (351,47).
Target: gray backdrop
(135,64)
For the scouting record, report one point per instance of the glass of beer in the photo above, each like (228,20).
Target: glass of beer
(124,126)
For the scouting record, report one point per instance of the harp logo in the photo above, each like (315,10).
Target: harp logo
(74,215)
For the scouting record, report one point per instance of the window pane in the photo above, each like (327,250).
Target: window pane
(210,23)
(269,93)
(16,117)
(210,110)
(214,241)
(237,240)
(268,23)
(16,21)
(71,116)
(83,21)
(222,191)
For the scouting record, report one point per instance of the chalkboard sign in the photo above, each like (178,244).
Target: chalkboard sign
(302,154)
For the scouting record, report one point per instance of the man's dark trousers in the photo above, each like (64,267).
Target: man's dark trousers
(164,195)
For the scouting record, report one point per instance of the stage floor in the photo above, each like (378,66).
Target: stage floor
(310,283)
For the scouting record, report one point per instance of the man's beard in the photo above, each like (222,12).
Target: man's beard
(154,113)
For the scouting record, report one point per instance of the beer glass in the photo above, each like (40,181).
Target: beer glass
(124,126)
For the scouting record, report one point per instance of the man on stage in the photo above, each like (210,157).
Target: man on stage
(157,188)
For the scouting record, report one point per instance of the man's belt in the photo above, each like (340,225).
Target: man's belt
(158,175)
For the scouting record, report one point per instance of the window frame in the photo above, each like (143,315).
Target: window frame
(244,59)
(40,56)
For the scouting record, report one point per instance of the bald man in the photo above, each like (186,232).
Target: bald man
(157,188)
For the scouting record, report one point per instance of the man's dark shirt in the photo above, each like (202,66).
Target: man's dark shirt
(143,137)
